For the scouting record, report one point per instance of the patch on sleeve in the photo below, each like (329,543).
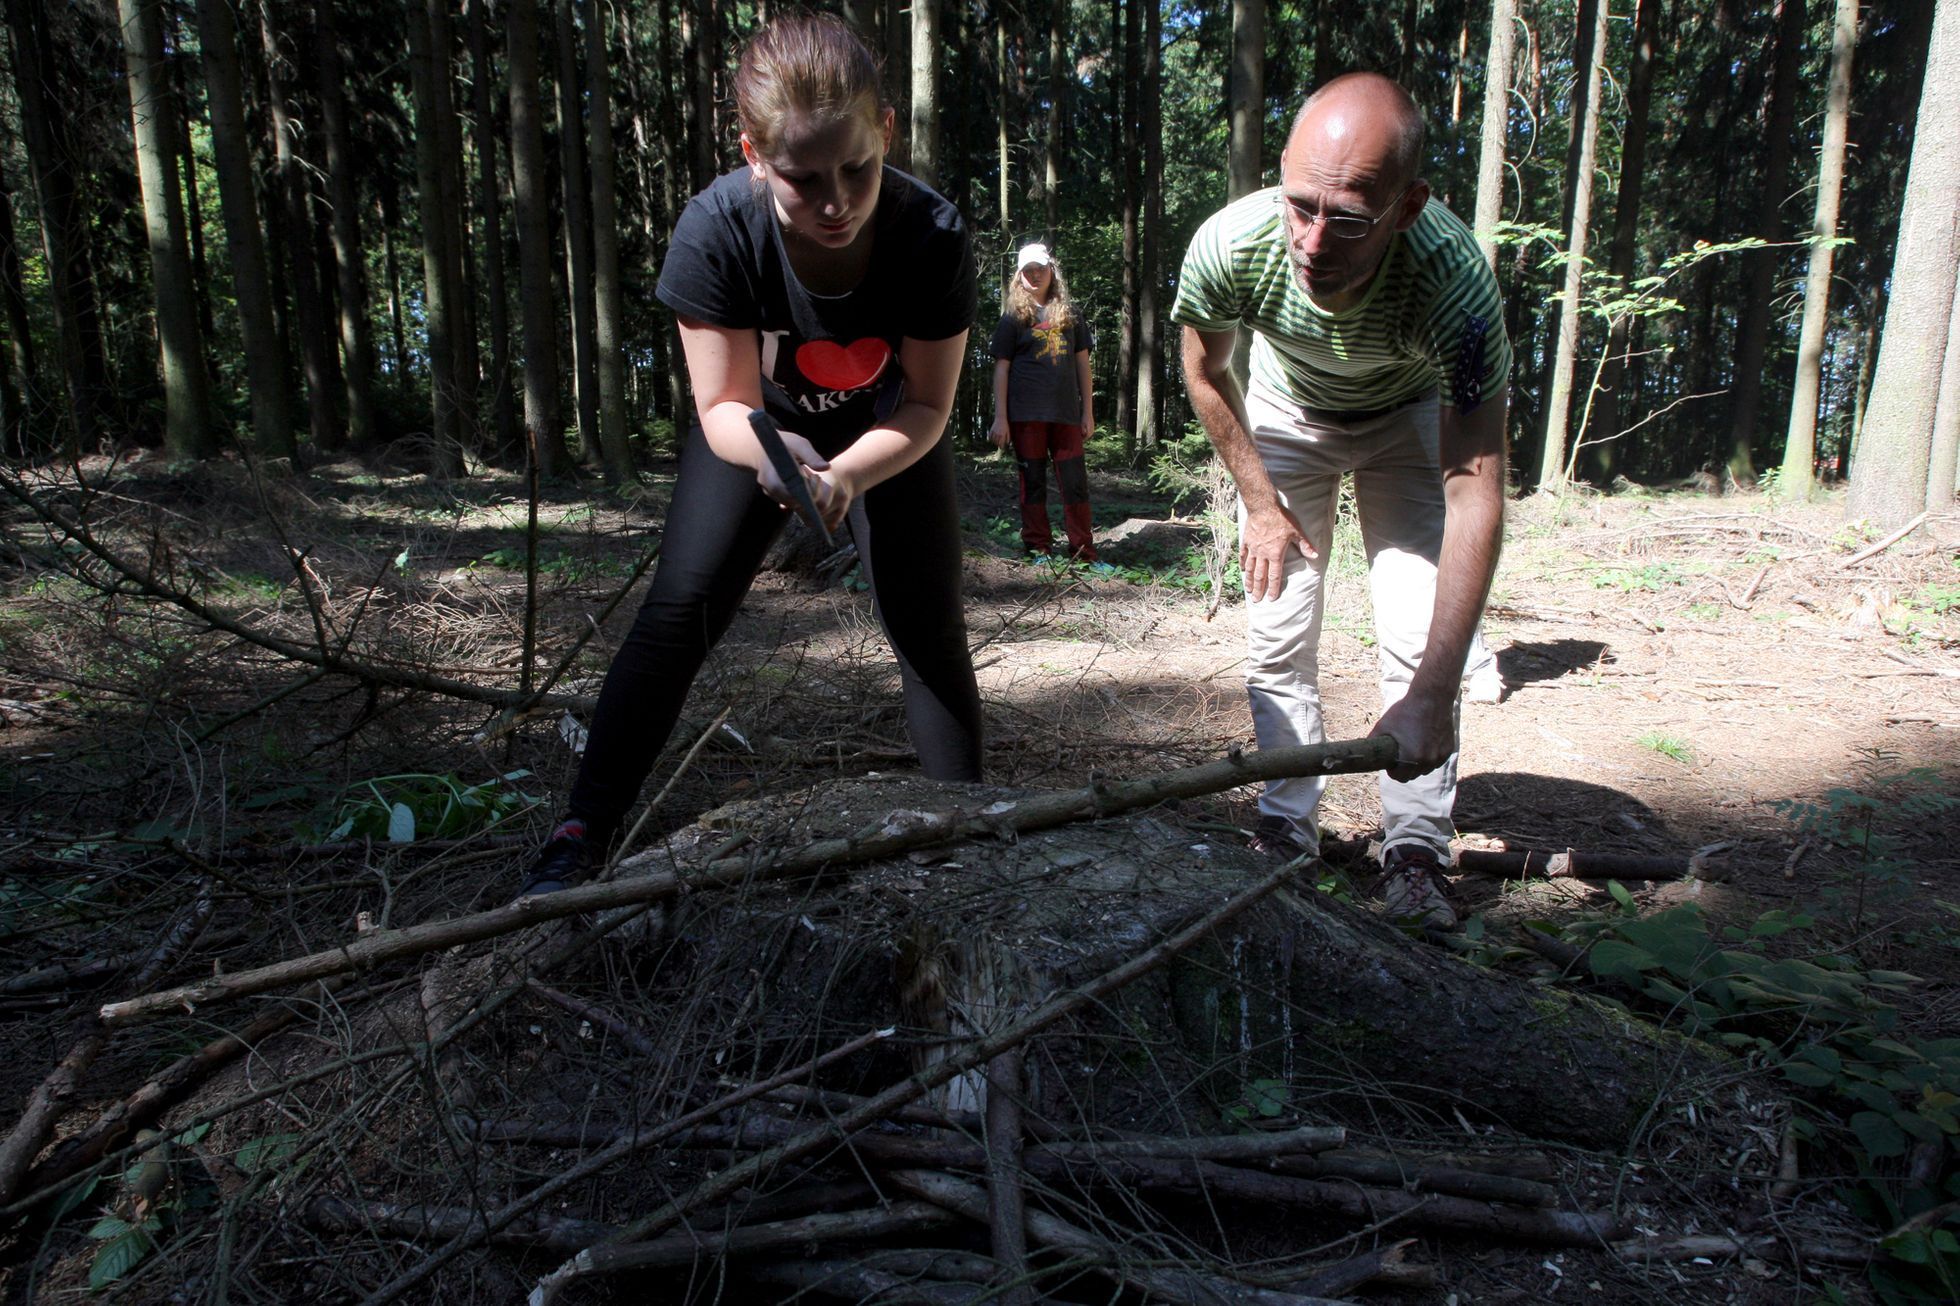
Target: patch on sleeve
(1467,386)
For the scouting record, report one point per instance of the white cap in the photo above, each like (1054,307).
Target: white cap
(1036,253)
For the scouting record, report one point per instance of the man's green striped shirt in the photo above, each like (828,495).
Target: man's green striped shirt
(1430,319)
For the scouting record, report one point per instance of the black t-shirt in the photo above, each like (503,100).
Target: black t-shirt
(830,365)
(1041,375)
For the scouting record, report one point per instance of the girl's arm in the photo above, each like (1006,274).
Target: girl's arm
(932,370)
(724,366)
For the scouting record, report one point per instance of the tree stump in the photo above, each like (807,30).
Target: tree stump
(1305,993)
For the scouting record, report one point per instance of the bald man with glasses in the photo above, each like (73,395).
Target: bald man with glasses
(1378,350)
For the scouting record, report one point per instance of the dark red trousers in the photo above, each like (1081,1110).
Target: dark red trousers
(1035,443)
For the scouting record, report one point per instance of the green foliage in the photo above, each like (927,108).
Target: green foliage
(1668,746)
(1864,820)
(1825,1022)
(1262,1099)
(1651,577)
(404,808)
(568,567)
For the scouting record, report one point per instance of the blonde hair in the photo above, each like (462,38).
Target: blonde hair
(813,64)
(1020,301)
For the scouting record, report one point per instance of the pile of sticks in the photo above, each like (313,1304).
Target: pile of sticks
(1053,1204)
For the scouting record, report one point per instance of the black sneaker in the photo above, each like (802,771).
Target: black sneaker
(563,861)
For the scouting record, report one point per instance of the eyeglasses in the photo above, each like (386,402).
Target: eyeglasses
(1342,226)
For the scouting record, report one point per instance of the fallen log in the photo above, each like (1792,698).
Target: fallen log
(50,1098)
(1763,1247)
(1387,1265)
(163,1090)
(1571,864)
(1029,812)
(1383,1198)
(1168,1284)
(850,1281)
(1417,1175)
(1006,1184)
(683,1248)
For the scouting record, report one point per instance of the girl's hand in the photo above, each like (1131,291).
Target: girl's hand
(832,490)
(810,462)
(998,432)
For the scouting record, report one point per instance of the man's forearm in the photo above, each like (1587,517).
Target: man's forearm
(1472,451)
(1220,409)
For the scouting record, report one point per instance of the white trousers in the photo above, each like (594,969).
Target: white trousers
(1398,493)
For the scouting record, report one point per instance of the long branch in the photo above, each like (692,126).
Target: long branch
(1037,812)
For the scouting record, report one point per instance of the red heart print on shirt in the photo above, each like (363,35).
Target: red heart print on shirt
(843,367)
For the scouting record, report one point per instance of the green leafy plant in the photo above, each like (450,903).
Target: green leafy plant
(154,1203)
(404,808)
(1827,1024)
(1262,1099)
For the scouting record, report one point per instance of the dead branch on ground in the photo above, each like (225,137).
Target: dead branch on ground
(1035,812)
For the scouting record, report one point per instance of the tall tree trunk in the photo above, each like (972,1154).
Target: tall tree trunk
(671,198)
(1604,429)
(1324,66)
(1551,471)
(1003,127)
(20,375)
(698,32)
(1889,476)
(187,176)
(1497,118)
(1411,12)
(186,394)
(1131,164)
(64,228)
(1457,68)
(1247,96)
(528,189)
(1584,86)
(390,206)
(898,54)
(350,264)
(1800,443)
(609,307)
(576,228)
(863,15)
(316,350)
(231,151)
(1941,476)
(1150,352)
(459,235)
(503,400)
(1051,188)
(426,66)
(1861,388)
(926,57)
(1759,281)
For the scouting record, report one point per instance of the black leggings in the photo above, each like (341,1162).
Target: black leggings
(719,527)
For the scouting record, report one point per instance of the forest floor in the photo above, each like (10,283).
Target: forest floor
(1724,678)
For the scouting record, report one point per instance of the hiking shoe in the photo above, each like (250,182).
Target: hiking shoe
(1276,837)
(1413,889)
(563,861)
